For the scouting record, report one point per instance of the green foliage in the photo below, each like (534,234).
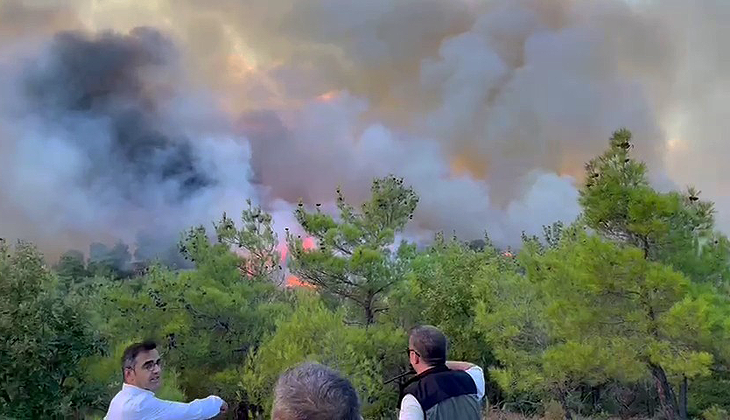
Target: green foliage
(709,391)
(590,311)
(677,229)
(256,237)
(670,228)
(596,290)
(207,320)
(715,413)
(71,268)
(439,290)
(509,313)
(44,341)
(315,333)
(354,260)
(620,307)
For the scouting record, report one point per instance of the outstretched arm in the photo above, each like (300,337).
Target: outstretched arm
(201,409)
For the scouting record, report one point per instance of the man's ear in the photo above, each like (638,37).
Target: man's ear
(127,374)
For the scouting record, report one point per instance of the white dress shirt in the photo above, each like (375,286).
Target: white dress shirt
(410,409)
(132,403)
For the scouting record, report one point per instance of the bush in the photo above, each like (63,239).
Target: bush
(707,392)
(553,411)
(45,339)
(715,413)
(314,333)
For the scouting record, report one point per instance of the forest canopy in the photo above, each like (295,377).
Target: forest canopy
(623,312)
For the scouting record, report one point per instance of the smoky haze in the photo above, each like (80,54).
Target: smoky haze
(488,108)
(99,145)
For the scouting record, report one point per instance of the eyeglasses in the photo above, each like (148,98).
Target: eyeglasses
(149,365)
(409,350)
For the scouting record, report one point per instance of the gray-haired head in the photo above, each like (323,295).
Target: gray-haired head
(312,391)
(430,343)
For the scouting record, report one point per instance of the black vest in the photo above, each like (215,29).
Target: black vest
(437,384)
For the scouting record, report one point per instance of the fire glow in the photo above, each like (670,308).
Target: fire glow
(291,279)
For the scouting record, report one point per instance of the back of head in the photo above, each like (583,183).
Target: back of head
(430,343)
(312,391)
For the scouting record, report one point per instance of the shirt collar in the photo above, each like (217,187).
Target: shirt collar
(136,390)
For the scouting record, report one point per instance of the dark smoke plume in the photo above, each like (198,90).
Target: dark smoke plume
(489,108)
(101,144)
(98,80)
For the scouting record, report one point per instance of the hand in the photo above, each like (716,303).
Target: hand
(224,407)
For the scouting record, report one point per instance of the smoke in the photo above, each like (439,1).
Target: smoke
(488,108)
(100,142)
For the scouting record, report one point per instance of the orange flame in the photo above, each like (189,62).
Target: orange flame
(283,251)
(294,281)
(308,243)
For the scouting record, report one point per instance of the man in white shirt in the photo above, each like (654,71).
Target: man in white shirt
(141,370)
(441,390)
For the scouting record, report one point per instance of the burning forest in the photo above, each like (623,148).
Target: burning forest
(255,184)
(128,122)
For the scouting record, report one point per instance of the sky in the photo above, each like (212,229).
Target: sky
(129,120)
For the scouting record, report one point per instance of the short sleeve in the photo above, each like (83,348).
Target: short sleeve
(410,409)
(477,374)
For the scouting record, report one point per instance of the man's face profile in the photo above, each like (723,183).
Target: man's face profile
(147,370)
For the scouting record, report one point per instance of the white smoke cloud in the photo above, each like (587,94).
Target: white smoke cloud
(459,204)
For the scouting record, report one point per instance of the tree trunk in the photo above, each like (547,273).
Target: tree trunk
(664,390)
(242,411)
(369,316)
(564,404)
(683,399)
(596,398)
(5,395)
(369,312)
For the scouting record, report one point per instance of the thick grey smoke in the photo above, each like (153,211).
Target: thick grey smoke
(326,143)
(489,108)
(100,142)
(93,90)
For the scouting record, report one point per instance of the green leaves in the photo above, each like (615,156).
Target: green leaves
(634,294)
(45,338)
(673,228)
(353,259)
(314,333)
(256,238)
(636,300)
(207,321)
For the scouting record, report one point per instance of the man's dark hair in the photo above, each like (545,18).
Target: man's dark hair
(129,357)
(312,391)
(430,343)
